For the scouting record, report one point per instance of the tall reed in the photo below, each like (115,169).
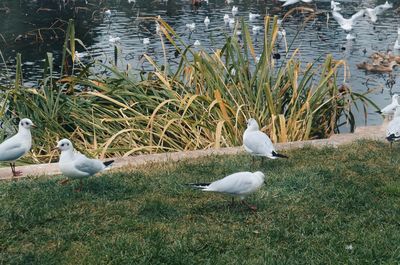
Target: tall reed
(203,102)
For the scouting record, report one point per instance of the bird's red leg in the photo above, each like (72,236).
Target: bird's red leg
(15,173)
(251,207)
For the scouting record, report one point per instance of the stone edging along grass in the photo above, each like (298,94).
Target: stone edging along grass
(367,132)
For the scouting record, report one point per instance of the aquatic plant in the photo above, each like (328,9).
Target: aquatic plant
(203,102)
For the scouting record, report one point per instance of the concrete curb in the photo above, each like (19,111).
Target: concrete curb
(368,132)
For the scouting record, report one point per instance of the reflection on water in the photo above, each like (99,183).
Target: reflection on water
(319,37)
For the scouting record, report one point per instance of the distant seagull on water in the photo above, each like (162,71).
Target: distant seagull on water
(257,143)
(17,146)
(206,21)
(238,184)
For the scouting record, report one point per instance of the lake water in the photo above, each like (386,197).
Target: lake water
(320,37)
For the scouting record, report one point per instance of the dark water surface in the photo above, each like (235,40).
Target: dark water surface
(19,21)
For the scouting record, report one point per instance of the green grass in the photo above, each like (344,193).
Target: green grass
(312,206)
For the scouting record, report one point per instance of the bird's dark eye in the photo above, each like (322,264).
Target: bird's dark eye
(62,144)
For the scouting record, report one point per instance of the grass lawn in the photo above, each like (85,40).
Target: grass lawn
(321,206)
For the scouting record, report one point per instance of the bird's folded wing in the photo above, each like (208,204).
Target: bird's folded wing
(393,128)
(236,184)
(90,166)
(258,143)
(11,150)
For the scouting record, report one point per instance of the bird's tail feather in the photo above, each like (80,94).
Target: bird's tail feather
(392,138)
(275,154)
(378,111)
(108,163)
(200,186)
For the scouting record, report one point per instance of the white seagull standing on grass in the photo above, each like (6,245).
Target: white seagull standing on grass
(17,146)
(76,165)
(238,184)
(393,129)
(373,13)
(257,143)
(389,109)
(347,23)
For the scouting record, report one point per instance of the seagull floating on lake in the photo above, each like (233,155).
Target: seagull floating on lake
(231,22)
(397,42)
(256,29)
(197,43)
(226,18)
(17,146)
(191,26)
(334,6)
(107,12)
(389,109)
(146,41)
(373,13)
(291,2)
(257,143)
(347,24)
(393,128)
(350,37)
(234,10)
(77,165)
(253,16)
(238,184)
(112,39)
(206,21)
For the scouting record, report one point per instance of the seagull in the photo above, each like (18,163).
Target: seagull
(258,143)
(226,18)
(334,6)
(191,26)
(347,24)
(231,22)
(397,44)
(107,12)
(378,10)
(256,29)
(112,39)
(77,165)
(146,41)
(18,145)
(389,109)
(206,21)
(239,184)
(282,33)
(197,43)
(291,2)
(393,128)
(350,37)
(234,10)
(131,1)
(253,16)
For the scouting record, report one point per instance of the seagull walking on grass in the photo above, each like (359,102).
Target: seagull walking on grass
(393,129)
(389,109)
(347,23)
(238,184)
(17,146)
(76,165)
(257,143)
